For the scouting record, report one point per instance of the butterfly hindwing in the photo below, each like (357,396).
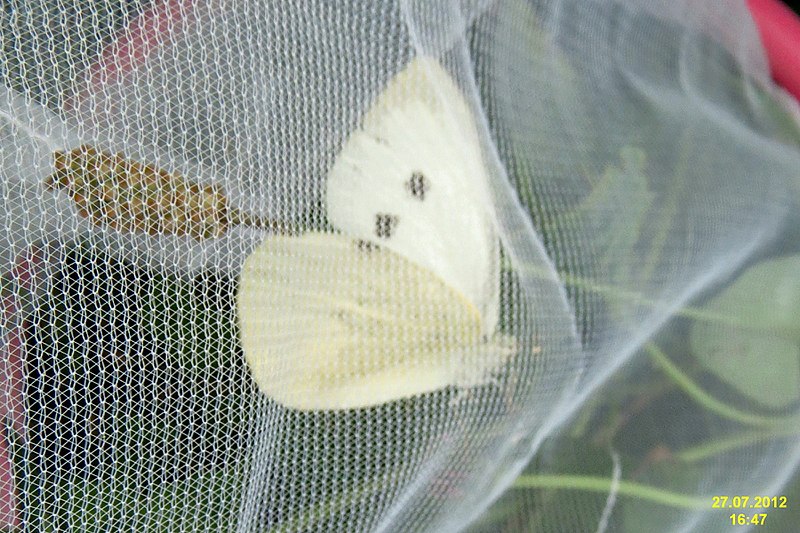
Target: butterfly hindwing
(327,323)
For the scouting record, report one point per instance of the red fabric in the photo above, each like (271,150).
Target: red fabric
(779,27)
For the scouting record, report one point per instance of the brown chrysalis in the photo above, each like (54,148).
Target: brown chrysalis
(114,191)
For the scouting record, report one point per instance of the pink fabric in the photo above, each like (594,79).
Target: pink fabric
(146,32)
(9,515)
(12,380)
(779,27)
(165,21)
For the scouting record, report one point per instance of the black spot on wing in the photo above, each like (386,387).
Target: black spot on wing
(385,225)
(365,246)
(418,185)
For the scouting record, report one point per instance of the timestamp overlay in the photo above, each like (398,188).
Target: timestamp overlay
(750,510)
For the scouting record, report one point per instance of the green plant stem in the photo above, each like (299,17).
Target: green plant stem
(718,447)
(670,205)
(694,391)
(604,485)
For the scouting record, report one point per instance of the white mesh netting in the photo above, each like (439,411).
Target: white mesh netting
(396,266)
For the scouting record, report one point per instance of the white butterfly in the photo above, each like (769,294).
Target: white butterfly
(406,299)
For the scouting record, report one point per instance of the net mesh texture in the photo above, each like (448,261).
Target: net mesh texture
(396,266)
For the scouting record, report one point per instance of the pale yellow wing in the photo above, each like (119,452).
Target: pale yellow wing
(327,322)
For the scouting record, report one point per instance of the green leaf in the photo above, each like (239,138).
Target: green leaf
(758,351)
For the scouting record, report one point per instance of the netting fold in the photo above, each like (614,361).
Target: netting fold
(396,266)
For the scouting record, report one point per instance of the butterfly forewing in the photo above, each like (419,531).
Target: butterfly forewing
(412,180)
